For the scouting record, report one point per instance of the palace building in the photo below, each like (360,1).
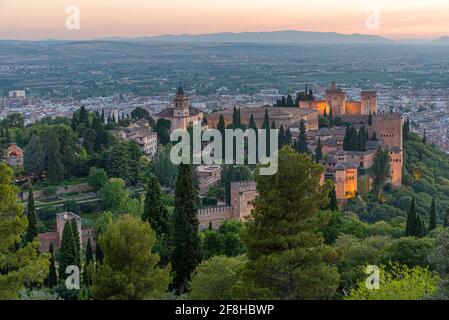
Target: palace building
(337,101)
(287,117)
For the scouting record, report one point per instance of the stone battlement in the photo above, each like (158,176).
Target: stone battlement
(244,186)
(215,210)
(387,115)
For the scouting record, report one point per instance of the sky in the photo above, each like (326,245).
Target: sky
(47,19)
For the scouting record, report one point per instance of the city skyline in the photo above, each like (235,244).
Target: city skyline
(402,19)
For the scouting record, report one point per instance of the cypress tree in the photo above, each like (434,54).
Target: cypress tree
(186,252)
(88,260)
(252,125)
(370,119)
(221,126)
(288,137)
(273,125)
(32,230)
(83,116)
(318,151)
(330,113)
(432,216)
(89,253)
(374,138)
(302,139)
(76,240)
(346,139)
(52,278)
(325,112)
(154,211)
(333,204)
(420,227)
(446,219)
(411,226)
(424,137)
(281,141)
(266,127)
(99,255)
(67,251)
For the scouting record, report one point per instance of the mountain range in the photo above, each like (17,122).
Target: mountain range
(281,37)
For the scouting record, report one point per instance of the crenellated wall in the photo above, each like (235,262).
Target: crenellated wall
(242,197)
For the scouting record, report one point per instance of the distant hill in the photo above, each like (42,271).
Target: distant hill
(287,37)
(442,40)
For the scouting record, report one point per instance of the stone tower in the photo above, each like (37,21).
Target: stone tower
(242,197)
(369,102)
(396,159)
(181,104)
(388,128)
(336,99)
(63,218)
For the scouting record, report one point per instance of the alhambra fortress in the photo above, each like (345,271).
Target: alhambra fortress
(346,168)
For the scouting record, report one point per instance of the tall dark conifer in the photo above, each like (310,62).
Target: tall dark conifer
(52,278)
(32,230)
(302,139)
(410,229)
(432,216)
(154,210)
(186,239)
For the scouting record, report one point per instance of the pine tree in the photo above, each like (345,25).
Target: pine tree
(318,151)
(285,251)
(411,226)
(19,265)
(154,211)
(432,216)
(186,252)
(130,269)
(52,278)
(32,230)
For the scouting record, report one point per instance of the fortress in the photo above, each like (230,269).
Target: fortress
(336,103)
(242,197)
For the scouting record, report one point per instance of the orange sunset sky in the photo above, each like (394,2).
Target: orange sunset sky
(44,19)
